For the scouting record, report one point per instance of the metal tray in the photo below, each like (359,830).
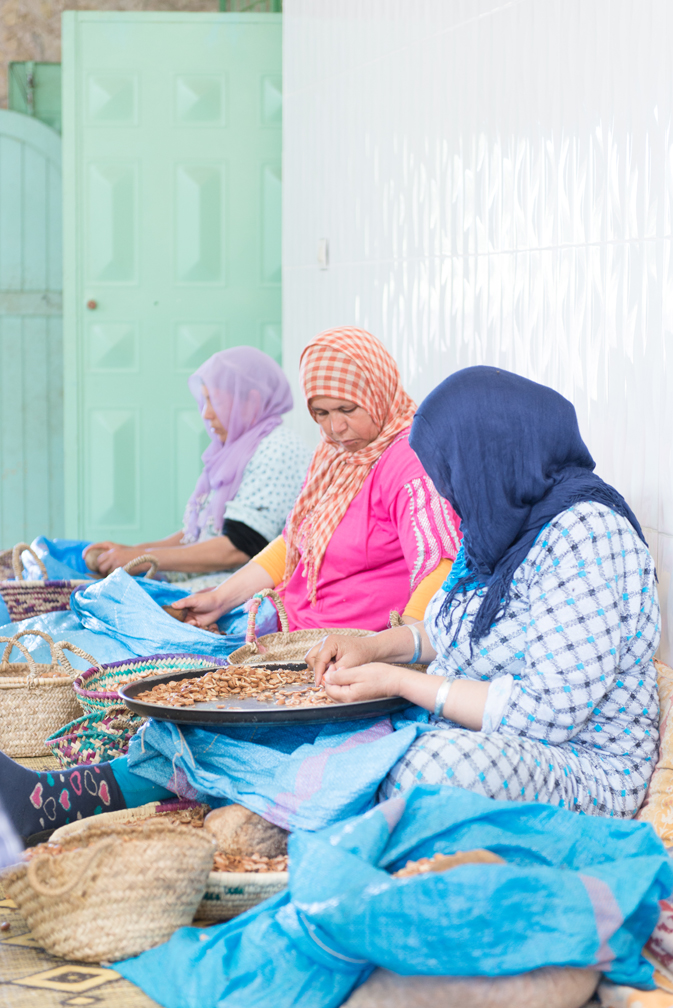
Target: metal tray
(253,712)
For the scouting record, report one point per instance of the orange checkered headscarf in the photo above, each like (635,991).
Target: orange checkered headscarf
(342,364)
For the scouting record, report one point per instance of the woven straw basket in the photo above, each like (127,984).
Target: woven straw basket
(115,891)
(284,646)
(30,598)
(95,688)
(95,738)
(227,893)
(35,699)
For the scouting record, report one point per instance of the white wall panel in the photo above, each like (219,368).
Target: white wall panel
(495,180)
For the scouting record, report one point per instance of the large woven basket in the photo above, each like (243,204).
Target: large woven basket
(95,738)
(30,598)
(96,688)
(35,699)
(227,894)
(284,646)
(115,891)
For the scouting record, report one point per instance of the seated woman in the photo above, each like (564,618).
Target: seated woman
(541,684)
(252,471)
(369,533)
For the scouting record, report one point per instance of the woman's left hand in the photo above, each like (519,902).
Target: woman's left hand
(364,682)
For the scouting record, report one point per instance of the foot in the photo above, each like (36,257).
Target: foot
(38,803)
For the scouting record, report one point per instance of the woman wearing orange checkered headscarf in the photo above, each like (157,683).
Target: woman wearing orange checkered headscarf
(368,533)
(352,365)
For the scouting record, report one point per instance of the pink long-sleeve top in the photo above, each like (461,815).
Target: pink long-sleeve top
(393,535)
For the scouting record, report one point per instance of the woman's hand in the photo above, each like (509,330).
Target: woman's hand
(366,682)
(119,556)
(203,607)
(346,652)
(396,645)
(206,607)
(105,545)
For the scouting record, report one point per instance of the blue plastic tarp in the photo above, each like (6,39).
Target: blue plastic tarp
(574,891)
(302,777)
(120,617)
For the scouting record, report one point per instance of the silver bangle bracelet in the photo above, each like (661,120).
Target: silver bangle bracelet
(418,643)
(440,699)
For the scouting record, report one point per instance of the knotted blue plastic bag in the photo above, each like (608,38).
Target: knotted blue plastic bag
(120,617)
(575,891)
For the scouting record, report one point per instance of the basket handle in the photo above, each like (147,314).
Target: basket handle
(65,645)
(255,602)
(42,890)
(395,619)
(145,558)
(13,641)
(18,566)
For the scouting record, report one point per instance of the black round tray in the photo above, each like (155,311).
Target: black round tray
(252,712)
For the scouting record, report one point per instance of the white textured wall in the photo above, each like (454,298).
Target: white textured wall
(496,183)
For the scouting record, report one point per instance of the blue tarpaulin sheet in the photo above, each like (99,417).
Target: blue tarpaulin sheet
(574,891)
(121,617)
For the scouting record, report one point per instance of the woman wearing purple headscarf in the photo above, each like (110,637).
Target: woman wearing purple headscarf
(252,470)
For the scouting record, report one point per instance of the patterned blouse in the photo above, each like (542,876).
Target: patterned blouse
(571,660)
(272,479)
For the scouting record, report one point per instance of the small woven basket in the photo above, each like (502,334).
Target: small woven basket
(35,699)
(284,646)
(116,889)
(30,598)
(96,689)
(95,738)
(227,894)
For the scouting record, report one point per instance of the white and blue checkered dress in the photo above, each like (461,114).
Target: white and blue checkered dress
(572,712)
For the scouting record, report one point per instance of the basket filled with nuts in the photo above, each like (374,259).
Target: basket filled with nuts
(98,688)
(250,862)
(278,693)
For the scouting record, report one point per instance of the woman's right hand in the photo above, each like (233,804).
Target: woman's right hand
(203,608)
(342,652)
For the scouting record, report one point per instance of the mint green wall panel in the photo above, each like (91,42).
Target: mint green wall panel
(35,90)
(172,194)
(31,365)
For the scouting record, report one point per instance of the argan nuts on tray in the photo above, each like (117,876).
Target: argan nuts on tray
(240,682)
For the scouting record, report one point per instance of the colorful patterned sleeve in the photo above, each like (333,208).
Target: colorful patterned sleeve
(427,524)
(591,632)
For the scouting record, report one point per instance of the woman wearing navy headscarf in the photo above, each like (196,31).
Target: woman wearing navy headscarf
(541,685)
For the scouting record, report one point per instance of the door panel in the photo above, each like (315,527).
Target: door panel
(31,363)
(172,146)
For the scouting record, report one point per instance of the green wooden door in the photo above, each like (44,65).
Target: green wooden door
(31,367)
(172,148)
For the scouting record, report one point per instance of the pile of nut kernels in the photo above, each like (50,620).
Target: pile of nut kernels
(240,682)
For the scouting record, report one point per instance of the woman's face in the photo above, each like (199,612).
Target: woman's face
(209,414)
(344,422)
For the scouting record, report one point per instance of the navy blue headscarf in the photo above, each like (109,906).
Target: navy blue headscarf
(508,456)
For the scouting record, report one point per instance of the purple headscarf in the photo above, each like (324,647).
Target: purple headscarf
(249,393)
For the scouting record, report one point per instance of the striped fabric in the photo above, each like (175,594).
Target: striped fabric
(346,364)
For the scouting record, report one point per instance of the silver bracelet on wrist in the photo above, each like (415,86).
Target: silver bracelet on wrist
(418,643)
(440,699)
